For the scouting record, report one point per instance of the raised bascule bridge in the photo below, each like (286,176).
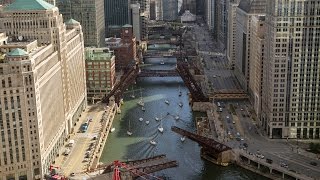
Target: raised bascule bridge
(131,170)
(211,149)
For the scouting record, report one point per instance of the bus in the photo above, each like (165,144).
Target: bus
(84,127)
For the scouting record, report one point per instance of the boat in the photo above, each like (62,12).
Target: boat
(147,122)
(143,109)
(129,129)
(157,119)
(180,104)
(177,117)
(180,93)
(129,133)
(162,62)
(141,119)
(153,142)
(141,102)
(132,95)
(160,128)
(183,138)
(112,129)
(167,102)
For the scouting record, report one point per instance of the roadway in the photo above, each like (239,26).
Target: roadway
(220,76)
(76,162)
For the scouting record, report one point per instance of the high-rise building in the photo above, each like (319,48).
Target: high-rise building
(232,24)
(211,16)
(170,10)
(124,48)
(190,5)
(100,72)
(144,16)
(117,14)
(90,14)
(43,90)
(222,23)
(256,62)
(245,11)
(153,10)
(291,94)
(135,20)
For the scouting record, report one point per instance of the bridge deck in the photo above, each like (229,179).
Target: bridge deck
(208,143)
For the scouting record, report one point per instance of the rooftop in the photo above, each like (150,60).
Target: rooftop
(17,52)
(22,5)
(72,21)
(127,26)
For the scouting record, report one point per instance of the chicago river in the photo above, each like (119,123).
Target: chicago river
(155,91)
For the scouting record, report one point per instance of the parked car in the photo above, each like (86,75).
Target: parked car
(269,161)
(313,163)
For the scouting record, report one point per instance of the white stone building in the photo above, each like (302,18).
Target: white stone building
(43,90)
(291,93)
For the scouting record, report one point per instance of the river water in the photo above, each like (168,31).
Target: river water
(155,91)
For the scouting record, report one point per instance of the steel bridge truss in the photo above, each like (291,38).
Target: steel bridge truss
(208,144)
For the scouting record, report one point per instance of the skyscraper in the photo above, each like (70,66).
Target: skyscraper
(43,89)
(232,25)
(190,5)
(170,10)
(291,94)
(117,14)
(244,13)
(90,14)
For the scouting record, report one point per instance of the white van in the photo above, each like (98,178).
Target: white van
(67,152)
(71,143)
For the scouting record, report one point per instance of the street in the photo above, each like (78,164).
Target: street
(241,123)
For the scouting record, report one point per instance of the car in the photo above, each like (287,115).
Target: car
(313,163)
(214,76)
(95,137)
(269,161)
(245,145)
(233,122)
(229,132)
(220,109)
(284,165)
(241,109)
(227,117)
(72,174)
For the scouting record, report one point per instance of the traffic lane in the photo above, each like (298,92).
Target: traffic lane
(75,161)
(298,166)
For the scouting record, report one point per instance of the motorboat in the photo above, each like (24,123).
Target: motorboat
(167,102)
(129,129)
(147,122)
(160,128)
(180,104)
(177,117)
(153,142)
(157,119)
(129,133)
(141,119)
(132,95)
(143,109)
(162,62)
(183,138)
(112,129)
(141,102)
(180,93)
